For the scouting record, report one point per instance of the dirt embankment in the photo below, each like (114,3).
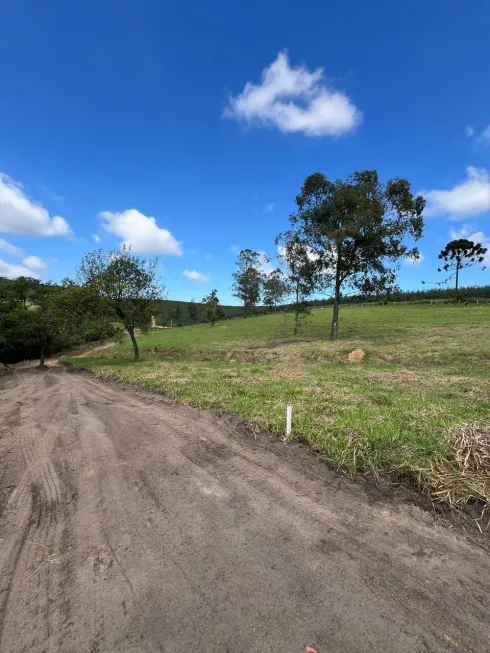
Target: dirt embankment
(131,525)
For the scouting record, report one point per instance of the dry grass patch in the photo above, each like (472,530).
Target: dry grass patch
(465,478)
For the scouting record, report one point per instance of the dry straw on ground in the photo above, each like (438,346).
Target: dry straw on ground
(468,478)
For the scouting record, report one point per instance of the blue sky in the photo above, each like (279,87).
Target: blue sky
(208,116)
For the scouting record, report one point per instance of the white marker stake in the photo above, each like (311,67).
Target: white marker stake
(289,419)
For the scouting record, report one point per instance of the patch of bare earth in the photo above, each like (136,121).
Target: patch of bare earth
(133,525)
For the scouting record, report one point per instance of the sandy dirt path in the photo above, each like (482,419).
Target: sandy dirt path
(128,524)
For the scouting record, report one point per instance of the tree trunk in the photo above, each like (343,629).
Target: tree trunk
(457,275)
(42,358)
(335,317)
(296,310)
(135,344)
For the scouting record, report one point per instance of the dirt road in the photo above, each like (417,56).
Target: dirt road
(131,525)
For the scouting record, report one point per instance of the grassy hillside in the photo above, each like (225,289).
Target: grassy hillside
(422,388)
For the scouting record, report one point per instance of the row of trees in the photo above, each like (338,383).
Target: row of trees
(345,238)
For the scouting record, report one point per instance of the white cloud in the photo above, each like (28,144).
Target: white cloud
(96,238)
(414,261)
(198,277)
(467,232)
(235,249)
(10,249)
(469,131)
(19,215)
(13,271)
(270,207)
(470,197)
(209,256)
(140,232)
(34,263)
(294,100)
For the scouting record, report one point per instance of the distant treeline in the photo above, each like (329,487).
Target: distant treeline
(175,313)
(468,294)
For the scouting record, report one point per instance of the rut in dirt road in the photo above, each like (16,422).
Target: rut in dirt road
(128,524)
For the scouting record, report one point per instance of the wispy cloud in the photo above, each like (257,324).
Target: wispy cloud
(470,197)
(8,248)
(293,99)
(469,232)
(56,197)
(482,137)
(270,207)
(195,276)
(96,238)
(35,263)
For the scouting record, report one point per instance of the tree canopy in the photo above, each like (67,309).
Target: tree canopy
(304,272)
(249,279)
(359,228)
(126,285)
(212,308)
(37,319)
(460,254)
(275,288)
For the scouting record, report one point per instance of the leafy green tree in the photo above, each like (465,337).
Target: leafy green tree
(303,272)
(126,285)
(459,255)
(249,279)
(9,339)
(47,322)
(47,318)
(212,308)
(25,288)
(192,310)
(359,228)
(178,316)
(275,288)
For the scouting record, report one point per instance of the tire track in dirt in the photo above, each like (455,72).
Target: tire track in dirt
(174,531)
(33,524)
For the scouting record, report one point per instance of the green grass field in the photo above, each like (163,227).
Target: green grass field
(424,381)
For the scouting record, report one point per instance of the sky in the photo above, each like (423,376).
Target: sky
(186,129)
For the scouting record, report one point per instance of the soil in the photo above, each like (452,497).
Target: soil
(356,356)
(132,525)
